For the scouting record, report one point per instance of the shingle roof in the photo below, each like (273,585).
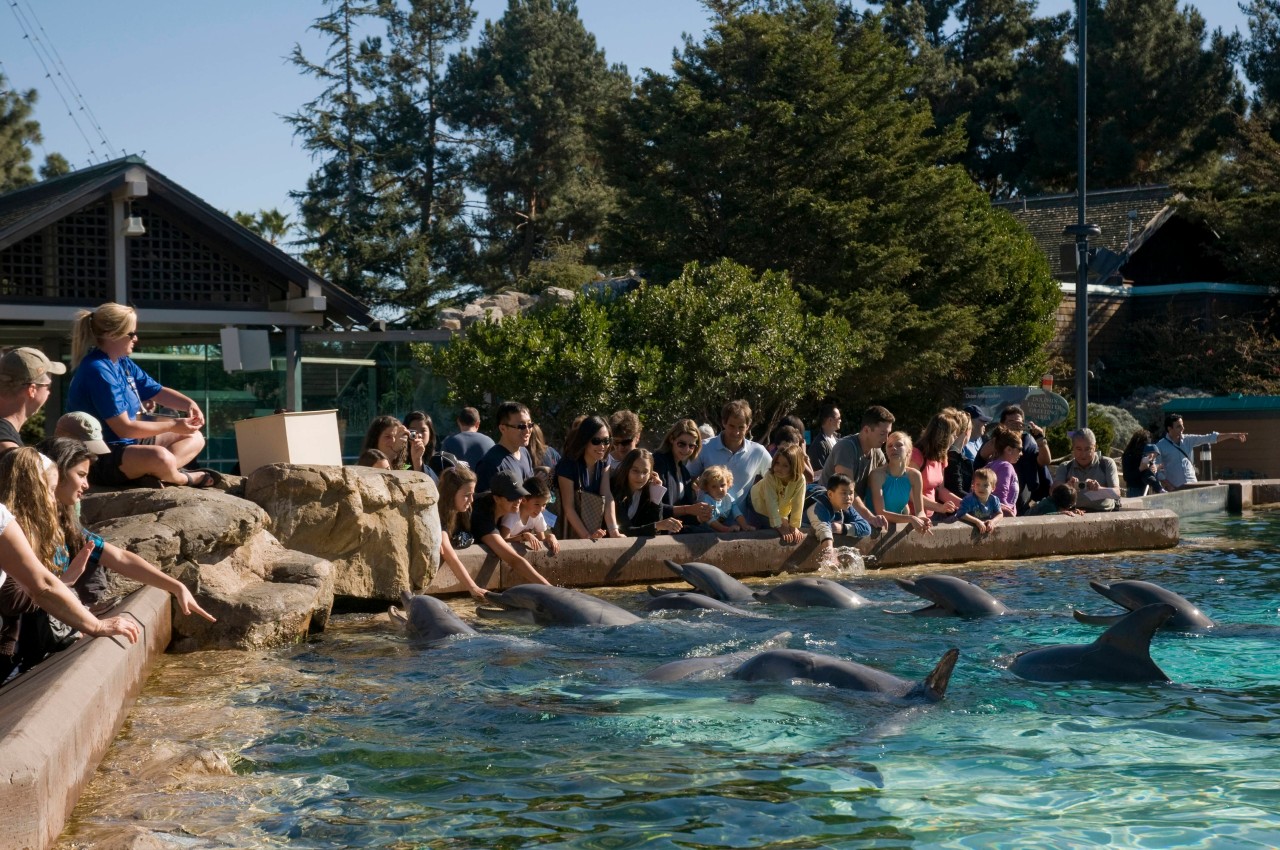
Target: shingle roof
(34,201)
(1123,214)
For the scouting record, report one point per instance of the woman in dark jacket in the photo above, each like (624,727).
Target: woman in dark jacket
(639,515)
(681,445)
(584,468)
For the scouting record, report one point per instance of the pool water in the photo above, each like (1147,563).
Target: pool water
(528,737)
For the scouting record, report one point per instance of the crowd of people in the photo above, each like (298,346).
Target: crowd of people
(123,428)
(963,467)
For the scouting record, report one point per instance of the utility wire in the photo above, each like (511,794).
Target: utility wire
(66,72)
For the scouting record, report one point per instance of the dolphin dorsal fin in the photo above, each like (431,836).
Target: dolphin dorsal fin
(935,684)
(1132,635)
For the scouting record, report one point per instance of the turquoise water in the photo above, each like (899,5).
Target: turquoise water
(529,737)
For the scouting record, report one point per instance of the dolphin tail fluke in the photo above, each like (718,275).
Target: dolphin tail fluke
(935,684)
(1097,619)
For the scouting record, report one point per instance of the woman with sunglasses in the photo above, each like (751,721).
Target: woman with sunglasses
(584,469)
(113,389)
(681,445)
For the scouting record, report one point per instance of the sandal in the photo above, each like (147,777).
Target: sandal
(211,478)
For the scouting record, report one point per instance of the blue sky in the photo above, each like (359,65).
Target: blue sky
(199,88)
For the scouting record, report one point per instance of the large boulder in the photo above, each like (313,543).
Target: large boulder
(379,528)
(219,546)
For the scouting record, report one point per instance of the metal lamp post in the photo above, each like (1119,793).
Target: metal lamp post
(1081,231)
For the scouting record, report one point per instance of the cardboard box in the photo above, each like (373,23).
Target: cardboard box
(306,437)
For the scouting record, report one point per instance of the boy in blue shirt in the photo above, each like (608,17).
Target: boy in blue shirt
(981,507)
(831,513)
(714,482)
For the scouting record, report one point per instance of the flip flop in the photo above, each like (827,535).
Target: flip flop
(212,478)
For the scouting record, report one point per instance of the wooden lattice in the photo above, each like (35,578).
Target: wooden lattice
(67,261)
(170,266)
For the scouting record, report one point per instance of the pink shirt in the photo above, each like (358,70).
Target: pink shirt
(931,478)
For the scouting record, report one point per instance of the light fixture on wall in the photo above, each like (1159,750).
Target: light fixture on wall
(132,223)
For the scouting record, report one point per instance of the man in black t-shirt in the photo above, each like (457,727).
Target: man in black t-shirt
(503,497)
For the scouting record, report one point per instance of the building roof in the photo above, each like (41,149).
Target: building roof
(1128,217)
(26,211)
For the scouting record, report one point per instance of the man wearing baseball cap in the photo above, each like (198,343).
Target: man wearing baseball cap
(978,420)
(25,377)
(79,425)
(504,495)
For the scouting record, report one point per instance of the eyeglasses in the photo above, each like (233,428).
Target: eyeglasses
(683,445)
(519,426)
(623,441)
(45,385)
(600,441)
(133,335)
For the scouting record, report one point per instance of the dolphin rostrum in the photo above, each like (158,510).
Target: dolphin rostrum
(786,664)
(811,592)
(1133,594)
(711,581)
(554,606)
(1120,654)
(951,596)
(428,618)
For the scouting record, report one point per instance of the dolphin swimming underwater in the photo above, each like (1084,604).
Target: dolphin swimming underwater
(428,618)
(554,606)
(1133,594)
(951,596)
(701,667)
(811,592)
(786,664)
(1120,654)
(711,581)
(685,601)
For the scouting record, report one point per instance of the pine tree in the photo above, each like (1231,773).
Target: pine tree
(338,204)
(18,132)
(529,94)
(1163,94)
(1262,59)
(787,141)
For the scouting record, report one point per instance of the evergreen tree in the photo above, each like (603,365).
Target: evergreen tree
(338,205)
(529,94)
(787,141)
(1262,57)
(1162,96)
(970,55)
(18,132)
(383,211)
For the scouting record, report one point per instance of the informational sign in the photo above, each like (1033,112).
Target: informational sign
(1043,407)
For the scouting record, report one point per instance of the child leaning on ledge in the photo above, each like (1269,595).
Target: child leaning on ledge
(981,507)
(779,496)
(831,512)
(527,524)
(714,484)
(1061,500)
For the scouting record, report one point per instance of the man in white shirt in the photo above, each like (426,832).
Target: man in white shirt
(1177,448)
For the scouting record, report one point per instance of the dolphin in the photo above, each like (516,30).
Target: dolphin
(1120,654)
(554,606)
(951,596)
(785,664)
(428,618)
(711,581)
(699,668)
(810,592)
(1134,594)
(685,601)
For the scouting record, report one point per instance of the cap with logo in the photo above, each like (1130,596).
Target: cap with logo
(506,485)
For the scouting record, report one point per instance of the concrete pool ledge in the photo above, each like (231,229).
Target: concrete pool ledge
(58,721)
(641,560)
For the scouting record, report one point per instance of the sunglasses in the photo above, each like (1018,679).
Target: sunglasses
(519,426)
(600,441)
(683,445)
(133,335)
(624,441)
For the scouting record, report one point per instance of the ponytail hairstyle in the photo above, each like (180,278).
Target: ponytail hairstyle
(109,321)
(25,489)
